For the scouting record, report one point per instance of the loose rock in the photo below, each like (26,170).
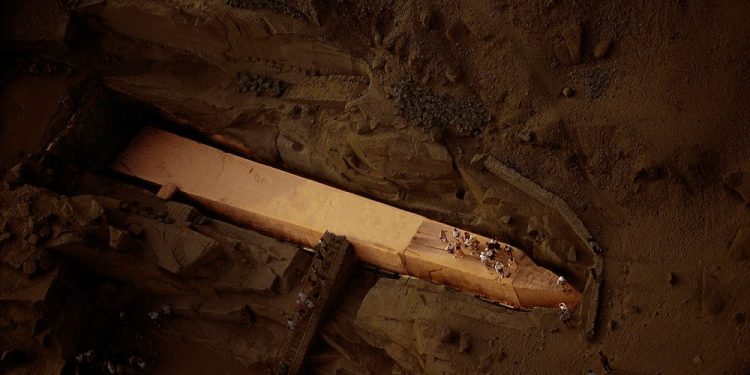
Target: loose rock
(428,109)
(464,343)
(568,92)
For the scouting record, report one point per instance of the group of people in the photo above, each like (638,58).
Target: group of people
(312,286)
(468,241)
(109,363)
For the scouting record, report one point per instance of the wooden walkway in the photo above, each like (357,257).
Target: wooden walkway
(332,265)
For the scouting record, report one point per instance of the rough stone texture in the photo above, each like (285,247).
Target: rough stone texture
(537,192)
(739,182)
(180,212)
(393,317)
(712,298)
(277,5)
(260,85)
(119,239)
(572,36)
(177,249)
(740,249)
(426,109)
(167,191)
(602,48)
(335,90)
(36,23)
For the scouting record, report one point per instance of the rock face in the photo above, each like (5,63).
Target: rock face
(177,249)
(423,340)
(94,234)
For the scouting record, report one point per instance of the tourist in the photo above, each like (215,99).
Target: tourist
(299,308)
(508,251)
(474,246)
(512,264)
(560,281)
(290,324)
(594,246)
(450,248)
(499,268)
(456,233)
(485,260)
(490,253)
(458,253)
(605,363)
(310,305)
(443,236)
(564,313)
(302,297)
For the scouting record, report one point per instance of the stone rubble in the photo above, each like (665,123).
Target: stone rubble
(276,5)
(428,109)
(260,85)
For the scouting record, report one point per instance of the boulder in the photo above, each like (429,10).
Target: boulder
(119,240)
(177,249)
(180,212)
(167,191)
(86,209)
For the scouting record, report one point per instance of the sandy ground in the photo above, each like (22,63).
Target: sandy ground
(634,114)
